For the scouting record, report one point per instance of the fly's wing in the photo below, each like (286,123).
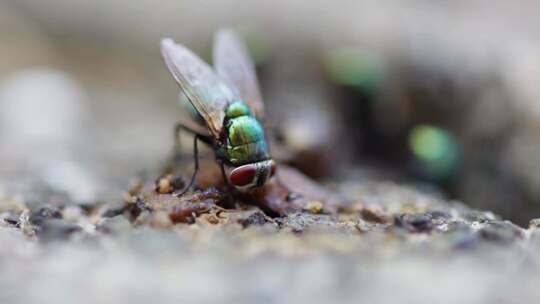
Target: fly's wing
(203,88)
(190,117)
(232,62)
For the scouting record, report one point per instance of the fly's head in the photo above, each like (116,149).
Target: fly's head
(250,176)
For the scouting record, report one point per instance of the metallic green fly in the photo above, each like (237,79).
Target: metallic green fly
(226,106)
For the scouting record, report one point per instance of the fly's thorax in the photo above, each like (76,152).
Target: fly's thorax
(245,136)
(237,109)
(244,130)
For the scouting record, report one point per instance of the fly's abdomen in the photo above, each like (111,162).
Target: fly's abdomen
(246,141)
(244,130)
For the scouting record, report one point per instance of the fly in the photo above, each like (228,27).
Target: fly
(226,108)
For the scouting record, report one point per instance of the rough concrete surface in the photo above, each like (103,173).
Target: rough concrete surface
(376,243)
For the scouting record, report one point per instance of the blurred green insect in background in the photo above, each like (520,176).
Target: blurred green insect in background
(226,108)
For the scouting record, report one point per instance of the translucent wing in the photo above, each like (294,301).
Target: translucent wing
(232,62)
(208,94)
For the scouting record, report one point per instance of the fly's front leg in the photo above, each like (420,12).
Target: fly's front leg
(229,199)
(178,153)
(223,175)
(177,149)
(196,169)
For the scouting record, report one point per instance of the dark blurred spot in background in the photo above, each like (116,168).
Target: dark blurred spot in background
(444,94)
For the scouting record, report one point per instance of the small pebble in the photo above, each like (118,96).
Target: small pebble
(187,211)
(169,183)
(38,218)
(164,185)
(415,222)
(256,219)
(375,214)
(72,214)
(11,219)
(133,210)
(314,207)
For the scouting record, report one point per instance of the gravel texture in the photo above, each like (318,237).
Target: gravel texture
(375,242)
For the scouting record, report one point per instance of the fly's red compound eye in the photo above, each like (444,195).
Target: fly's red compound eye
(243,175)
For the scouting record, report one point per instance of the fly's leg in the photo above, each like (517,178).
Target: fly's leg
(225,179)
(229,199)
(196,139)
(178,153)
(177,149)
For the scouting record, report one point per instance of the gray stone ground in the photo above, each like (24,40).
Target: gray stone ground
(386,244)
